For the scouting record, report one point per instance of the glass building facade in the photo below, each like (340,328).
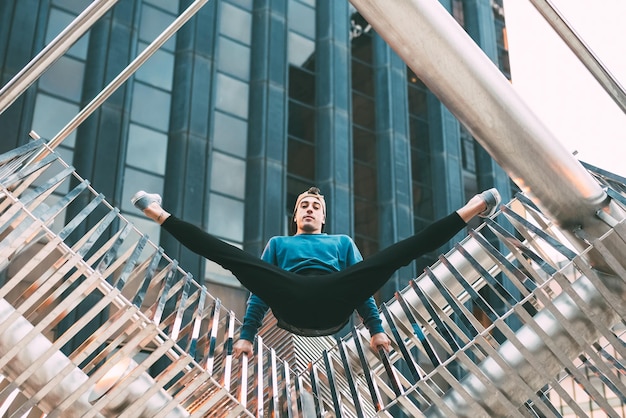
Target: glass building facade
(249,104)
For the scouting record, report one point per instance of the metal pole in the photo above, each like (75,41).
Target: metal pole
(458,72)
(122,76)
(582,51)
(52,52)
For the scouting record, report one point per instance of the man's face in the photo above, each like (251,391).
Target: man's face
(309,216)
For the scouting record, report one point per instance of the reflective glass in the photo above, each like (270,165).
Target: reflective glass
(228,175)
(76,6)
(363,78)
(150,107)
(230,134)
(232,95)
(363,111)
(64,78)
(302,19)
(301,159)
(301,121)
(234,58)
(153,22)
(158,70)
(418,102)
(301,85)
(226,218)
(58,21)
(246,4)
(236,23)
(169,5)
(300,50)
(364,145)
(51,115)
(147,149)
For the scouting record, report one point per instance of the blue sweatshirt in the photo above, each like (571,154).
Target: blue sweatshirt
(309,251)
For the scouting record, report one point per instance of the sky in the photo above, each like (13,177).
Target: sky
(560,90)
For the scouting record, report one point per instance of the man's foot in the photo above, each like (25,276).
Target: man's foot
(142,199)
(492,199)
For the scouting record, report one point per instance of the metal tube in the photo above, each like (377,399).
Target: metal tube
(52,52)
(582,51)
(450,63)
(123,76)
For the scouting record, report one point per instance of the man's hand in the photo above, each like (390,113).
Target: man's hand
(242,347)
(380,340)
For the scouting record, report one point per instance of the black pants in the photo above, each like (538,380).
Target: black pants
(314,301)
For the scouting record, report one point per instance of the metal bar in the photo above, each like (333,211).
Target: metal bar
(213,325)
(124,75)
(367,372)
(52,52)
(195,332)
(599,71)
(408,358)
(349,375)
(274,404)
(228,350)
(332,383)
(259,377)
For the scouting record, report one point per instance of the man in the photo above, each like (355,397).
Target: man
(310,257)
(312,281)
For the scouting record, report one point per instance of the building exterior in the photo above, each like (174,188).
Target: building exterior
(249,104)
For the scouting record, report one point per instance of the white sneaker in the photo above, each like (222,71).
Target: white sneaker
(142,199)
(492,198)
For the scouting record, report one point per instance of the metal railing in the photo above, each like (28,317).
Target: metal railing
(163,344)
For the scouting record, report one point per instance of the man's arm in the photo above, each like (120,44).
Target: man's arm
(371,318)
(252,320)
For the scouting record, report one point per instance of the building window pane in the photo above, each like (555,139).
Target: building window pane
(51,115)
(234,58)
(228,175)
(153,22)
(232,95)
(236,23)
(158,70)
(58,21)
(301,86)
(230,134)
(168,5)
(301,159)
(151,107)
(301,122)
(64,78)
(226,218)
(147,149)
(302,19)
(76,6)
(300,51)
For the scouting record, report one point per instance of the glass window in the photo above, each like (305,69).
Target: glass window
(153,22)
(246,4)
(150,107)
(232,95)
(58,21)
(228,175)
(301,159)
(236,23)
(64,78)
(300,50)
(364,145)
(301,85)
(230,134)
(301,122)
(226,218)
(168,5)
(418,102)
(302,19)
(363,111)
(147,149)
(51,115)
(234,58)
(76,6)
(158,70)
(362,78)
